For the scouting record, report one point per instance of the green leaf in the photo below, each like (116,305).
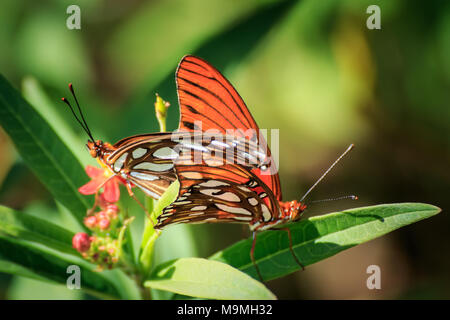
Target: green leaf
(16,269)
(26,227)
(33,92)
(317,238)
(207,279)
(24,259)
(29,289)
(43,150)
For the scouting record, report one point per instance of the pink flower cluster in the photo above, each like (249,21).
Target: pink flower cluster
(101,247)
(99,250)
(104,219)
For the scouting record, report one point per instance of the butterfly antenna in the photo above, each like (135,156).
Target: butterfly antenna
(352,197)
(81,113)
(328,170)
(82,123)
(74,114)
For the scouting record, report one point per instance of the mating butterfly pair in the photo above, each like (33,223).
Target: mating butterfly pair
(230,192)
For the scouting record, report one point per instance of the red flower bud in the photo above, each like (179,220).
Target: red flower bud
(90,222)
(103,224)
(111,213)
(81,242)
(112,208)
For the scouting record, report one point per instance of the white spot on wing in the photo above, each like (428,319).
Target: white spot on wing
(154,166)
(199,208)
(209,192)
(214,183)
(143,176)
(119,162)
(253,201)
(266,213)
(229,196)
(237,210)
(182,202)
(139,152)
(165,153)
(243,218)
(252,184)
(245,189)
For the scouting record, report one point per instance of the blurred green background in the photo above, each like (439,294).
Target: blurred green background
(309,68)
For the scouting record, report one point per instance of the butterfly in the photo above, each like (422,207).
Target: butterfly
(146,160)
(231,192)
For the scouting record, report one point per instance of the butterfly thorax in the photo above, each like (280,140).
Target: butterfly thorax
(100,150)
(291,210)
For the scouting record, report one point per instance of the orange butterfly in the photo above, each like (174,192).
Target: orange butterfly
(146,160)
(231,192)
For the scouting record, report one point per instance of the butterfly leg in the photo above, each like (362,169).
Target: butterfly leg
(252,256)
(131,193)
(290,246)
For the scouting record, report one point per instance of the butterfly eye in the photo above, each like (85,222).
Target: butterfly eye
(93,152)
(92,149)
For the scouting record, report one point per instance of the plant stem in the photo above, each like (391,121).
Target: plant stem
(145,292)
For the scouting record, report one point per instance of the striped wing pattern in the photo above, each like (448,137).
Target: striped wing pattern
(147,161)
(229,193)
(207,97)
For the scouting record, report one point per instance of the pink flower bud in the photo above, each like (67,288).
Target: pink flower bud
(90,222)
(103,224)
(111,211)
(81,242)
(101,215)
(112,208)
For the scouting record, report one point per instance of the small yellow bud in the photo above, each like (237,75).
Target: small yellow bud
(161,112)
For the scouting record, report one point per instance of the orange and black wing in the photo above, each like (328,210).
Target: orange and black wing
(227,193)
(148,160)
(208,101)
(145,161)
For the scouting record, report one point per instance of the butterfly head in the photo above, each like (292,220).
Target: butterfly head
(98,148)
(292,210)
